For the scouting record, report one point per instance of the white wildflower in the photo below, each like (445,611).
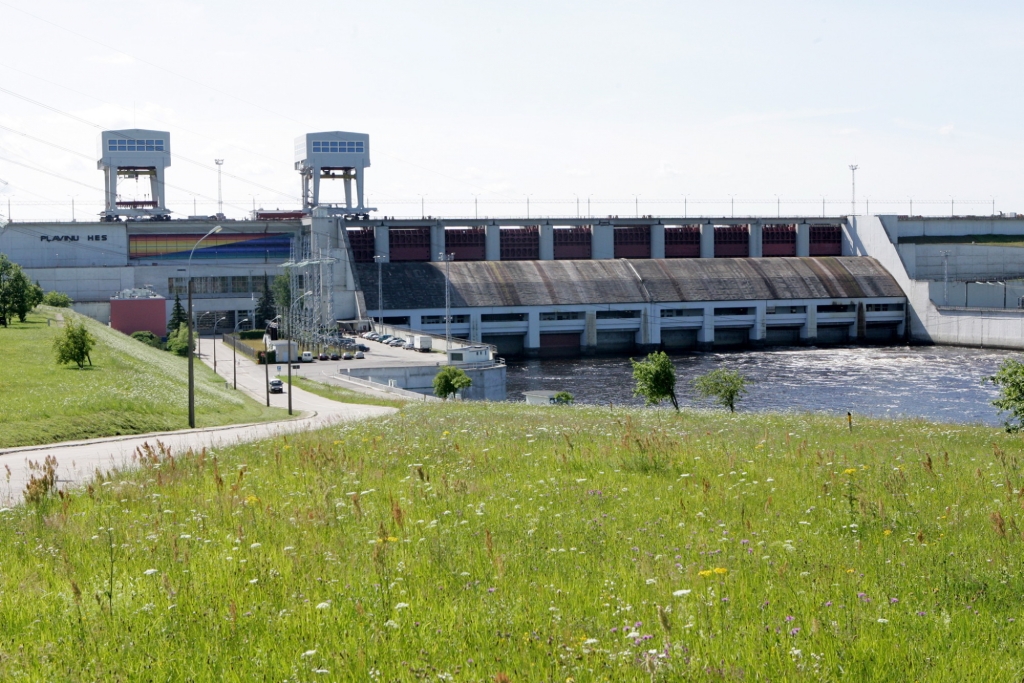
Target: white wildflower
(681,592)
(150,572)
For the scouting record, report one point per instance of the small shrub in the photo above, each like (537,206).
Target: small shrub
(57,299)
(1010,381)
(148,338)
(251,334)
(177,341)
(563,398)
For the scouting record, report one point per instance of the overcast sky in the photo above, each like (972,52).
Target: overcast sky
(634,105)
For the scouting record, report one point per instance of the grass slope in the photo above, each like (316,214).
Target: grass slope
(341,394)
(130,389)
(490,542)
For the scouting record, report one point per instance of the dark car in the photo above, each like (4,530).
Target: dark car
(324,356)
(362,347)
(335,356)
(276,386)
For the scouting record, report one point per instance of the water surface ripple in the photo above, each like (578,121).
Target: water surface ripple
(939,383)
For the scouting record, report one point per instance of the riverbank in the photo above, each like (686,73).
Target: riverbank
(485,540)
(130,388)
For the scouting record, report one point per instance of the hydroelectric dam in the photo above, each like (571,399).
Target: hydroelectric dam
(538,286)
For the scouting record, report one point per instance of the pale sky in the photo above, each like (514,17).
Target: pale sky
(634,105)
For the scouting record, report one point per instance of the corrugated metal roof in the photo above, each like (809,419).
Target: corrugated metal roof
(595,282)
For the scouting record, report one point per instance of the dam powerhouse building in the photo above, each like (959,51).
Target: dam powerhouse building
(538,286)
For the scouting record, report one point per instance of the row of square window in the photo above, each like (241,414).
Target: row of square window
(135,145)
(337,146)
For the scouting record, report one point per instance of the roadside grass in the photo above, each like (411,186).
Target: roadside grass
(496,542)
(131,388)
(341,394)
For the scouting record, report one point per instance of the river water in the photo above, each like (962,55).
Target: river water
(939,383)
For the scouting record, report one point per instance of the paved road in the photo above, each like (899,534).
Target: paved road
(78,460)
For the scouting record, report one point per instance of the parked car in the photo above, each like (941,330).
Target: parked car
(409,346)
(384,338)
(346,356)
(362,347)
(335,356)
(360,355)
(307,356)
(324,356)
(276,386)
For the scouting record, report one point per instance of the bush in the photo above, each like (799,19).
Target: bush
(177,341)
(261,357)
(724,386)
(148,338)
(563,398)
(57,299)
(251,334)
(1010,381)
(73,344)
(450,380)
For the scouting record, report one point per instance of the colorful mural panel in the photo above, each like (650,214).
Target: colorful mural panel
(248,246)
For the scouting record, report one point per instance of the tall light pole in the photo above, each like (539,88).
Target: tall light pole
(234,353)
(577,205)
(380,259)
(72,206)
(218,322)
(636,206)
(853,189)
(289,345)
(447,258)
(527,206)
(191,371)
(220,196)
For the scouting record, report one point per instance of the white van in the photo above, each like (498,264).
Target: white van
(307,356)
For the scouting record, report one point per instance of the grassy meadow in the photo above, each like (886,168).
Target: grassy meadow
(131,388)
(495,542)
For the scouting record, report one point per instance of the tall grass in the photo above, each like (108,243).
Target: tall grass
(483,542)
(130,388)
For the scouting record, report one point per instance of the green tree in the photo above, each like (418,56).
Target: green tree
(450,380)
(178,316)
(57,300)
(1010,381)
(17,293)
(655,379)
(282,292)
(265,311)
(148,338)
(73,344)
(563,398)
(723,386)
(177,341)
(25,295)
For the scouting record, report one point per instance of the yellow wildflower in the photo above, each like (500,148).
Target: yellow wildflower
(850,470)
(887,532)
(705,572)
(850,571)
(721,570)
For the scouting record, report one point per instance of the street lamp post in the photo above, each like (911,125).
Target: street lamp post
(191,371)
(447,258)
(218,322)
(380,259)
(234,353)
(853,188)
(289,345)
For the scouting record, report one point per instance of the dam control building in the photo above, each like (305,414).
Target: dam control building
(539,286)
